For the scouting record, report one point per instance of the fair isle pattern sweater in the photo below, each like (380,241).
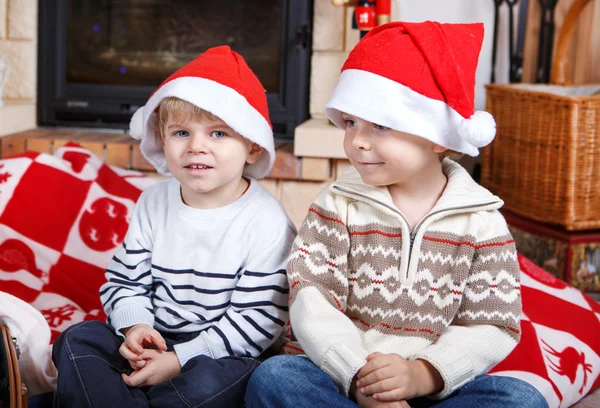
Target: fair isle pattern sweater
(220,272)
(361,282)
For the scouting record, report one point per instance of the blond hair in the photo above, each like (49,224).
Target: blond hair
(180,111)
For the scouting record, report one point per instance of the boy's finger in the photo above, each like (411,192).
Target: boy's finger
(137,365)
(373,355)
(375,377)
(374,364)
(390,396)
(158,341)
(136,378)
(379,387)
(126,352)
(127,379)
(134,344)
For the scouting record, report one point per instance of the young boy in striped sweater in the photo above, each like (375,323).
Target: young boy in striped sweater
(404,277)
(198,289)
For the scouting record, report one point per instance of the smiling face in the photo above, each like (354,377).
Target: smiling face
(206,156)
(386,157)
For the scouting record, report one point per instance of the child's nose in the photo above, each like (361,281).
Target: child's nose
(197,143)
(361,140)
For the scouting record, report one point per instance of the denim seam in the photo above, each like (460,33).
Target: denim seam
(242,378)
(180,395)
(108,363)
(217,395)
(72,359)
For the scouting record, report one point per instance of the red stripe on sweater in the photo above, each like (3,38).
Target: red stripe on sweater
(378,232)
(312,210)
(495,244)
(456,243)
(339,305)
(287,345)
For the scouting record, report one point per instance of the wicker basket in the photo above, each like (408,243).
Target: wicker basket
(545,160)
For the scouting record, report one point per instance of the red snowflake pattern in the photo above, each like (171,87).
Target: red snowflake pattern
(56,316)
(4,176)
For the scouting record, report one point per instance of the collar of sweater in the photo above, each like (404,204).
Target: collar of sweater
(461,194)
(225,212)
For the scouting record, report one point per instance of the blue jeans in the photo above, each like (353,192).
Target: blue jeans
(293,381)
(90,366)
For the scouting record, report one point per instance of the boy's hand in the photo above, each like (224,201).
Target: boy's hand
(389,377)
(137,338)
(369,402)
(159,366)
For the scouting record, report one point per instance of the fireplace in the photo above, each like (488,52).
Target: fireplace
(99,60)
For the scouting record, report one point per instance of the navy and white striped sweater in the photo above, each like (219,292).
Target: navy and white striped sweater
(218,271)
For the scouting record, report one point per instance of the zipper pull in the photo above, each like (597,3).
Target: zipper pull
(413,234)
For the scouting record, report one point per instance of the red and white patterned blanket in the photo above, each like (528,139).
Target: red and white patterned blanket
(61,218)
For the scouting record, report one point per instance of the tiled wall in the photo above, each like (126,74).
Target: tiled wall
(332,40)
(18,47)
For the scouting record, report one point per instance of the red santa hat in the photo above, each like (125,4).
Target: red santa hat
(417,78)
(220,82)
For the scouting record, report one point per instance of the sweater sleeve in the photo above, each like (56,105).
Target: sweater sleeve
(487,326)
(258,309)
(126,294)
(318,276)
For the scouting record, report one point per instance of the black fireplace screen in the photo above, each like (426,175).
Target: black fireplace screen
(141,42)
(99,60)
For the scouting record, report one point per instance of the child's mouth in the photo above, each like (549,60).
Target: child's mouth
(198,167)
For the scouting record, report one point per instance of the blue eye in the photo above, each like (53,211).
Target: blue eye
(381,128)
(350,123)
(181,133)
(217,134)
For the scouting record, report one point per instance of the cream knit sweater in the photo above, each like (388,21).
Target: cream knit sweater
(361,281)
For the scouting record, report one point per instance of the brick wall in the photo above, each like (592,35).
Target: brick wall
(18,48)
(333,38)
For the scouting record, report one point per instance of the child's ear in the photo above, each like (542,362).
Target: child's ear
(437,148)
(254,153)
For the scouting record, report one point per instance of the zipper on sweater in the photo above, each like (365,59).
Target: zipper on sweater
(414,232)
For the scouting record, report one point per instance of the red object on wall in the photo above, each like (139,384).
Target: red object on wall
(383,7)
(365,16)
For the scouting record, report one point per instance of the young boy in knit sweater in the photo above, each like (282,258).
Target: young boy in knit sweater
(404,277)
(198,289)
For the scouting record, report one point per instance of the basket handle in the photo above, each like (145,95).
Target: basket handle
(559,72)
